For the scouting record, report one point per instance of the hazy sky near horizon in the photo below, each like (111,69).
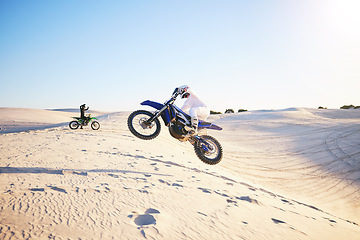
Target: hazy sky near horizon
(113,54)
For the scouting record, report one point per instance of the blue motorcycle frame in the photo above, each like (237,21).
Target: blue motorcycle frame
(207,148)
(169,113)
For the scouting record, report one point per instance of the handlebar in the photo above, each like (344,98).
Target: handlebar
(176,93)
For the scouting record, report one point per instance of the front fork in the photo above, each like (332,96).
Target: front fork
(204,144)
(156,115)
(166,105)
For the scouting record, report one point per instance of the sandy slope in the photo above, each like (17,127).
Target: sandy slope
(289,174)
(22,119)
(310,155)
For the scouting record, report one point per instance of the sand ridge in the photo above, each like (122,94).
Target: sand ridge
(278,167)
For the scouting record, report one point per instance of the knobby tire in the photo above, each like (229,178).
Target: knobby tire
(75,123)
(95,125)
(136,133)
(202,154)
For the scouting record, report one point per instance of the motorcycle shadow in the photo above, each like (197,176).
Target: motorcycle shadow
(83,172)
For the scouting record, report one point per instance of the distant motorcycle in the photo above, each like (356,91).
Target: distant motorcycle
(95,125)
(146,125)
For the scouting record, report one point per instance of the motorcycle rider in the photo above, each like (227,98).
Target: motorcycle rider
(196,108)
(82,114)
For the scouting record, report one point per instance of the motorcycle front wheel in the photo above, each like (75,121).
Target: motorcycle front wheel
(208,150)
(95,125)
(74,125)
(139,126)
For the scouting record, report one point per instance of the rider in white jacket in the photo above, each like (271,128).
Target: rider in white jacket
(196,108)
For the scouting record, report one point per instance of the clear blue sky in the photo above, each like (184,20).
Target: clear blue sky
(113,54)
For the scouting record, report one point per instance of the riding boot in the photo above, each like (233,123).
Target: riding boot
(194,122)
(194,125)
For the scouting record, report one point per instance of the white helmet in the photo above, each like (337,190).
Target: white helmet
(184,91)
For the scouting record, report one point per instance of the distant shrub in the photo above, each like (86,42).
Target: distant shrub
(322,107)
(349,107)
(346,106)
(229,111)
(242,110)
(213,112)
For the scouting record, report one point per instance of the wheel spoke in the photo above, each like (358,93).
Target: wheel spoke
(208,149)
(211,151)
(139,126)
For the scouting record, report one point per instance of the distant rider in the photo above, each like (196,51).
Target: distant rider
(82,114)
(196,108)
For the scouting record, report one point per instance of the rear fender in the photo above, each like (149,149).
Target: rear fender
(208,125)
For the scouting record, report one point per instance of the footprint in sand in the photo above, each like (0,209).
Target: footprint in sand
(145,219)
(247,199)
(204,190)
(58,189)
(162,181)
(176,185)
(277,221)
(286,201)
(37,189)
(171,184)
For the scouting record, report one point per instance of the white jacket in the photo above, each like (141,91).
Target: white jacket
(193,101)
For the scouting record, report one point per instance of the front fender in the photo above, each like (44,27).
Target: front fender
(165,114)
(155,105)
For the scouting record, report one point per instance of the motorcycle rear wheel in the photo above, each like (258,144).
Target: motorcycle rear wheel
(74,125)
(137,123)
(211,154)
(95,125)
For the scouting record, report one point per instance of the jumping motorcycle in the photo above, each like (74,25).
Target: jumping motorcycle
(95,125)
(146,125)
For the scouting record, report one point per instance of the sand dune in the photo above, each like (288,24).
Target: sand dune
(22,119)
(311,155)
(286,174)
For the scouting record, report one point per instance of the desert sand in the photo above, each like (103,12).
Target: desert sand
(285,174)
